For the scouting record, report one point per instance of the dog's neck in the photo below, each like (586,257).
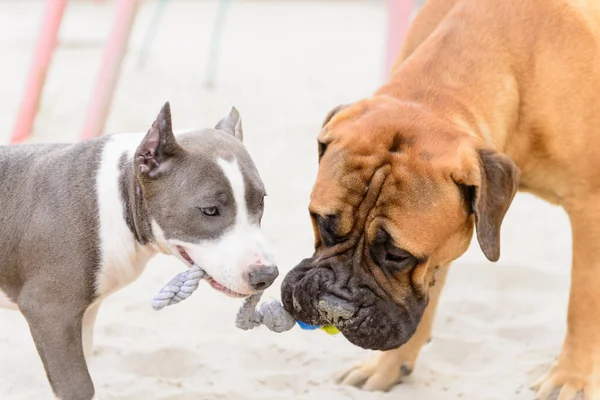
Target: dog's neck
(481,103)
(125,236)
(136,217)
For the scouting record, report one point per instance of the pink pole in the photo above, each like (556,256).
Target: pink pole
(114,52)
(399,13)
(46,43)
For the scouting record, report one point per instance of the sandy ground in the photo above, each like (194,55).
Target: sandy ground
(284,64)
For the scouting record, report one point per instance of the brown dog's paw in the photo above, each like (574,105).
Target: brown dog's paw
(571,377)
(380,373)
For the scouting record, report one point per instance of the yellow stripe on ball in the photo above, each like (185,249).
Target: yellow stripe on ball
(330,329)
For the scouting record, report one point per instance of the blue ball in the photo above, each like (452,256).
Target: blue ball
(306,326)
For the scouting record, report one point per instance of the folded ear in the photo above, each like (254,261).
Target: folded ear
(494,189)
(232,124)
(324,138)
(158,146)
(333,112)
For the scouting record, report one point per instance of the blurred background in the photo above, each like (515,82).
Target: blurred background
(284,64)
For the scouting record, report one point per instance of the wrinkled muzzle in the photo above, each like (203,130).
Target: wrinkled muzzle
(335,292)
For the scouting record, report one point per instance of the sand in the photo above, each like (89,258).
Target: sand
(284,64)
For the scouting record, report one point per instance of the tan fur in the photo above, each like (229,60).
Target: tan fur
(519,78)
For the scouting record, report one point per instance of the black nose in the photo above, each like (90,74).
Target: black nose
(261,277)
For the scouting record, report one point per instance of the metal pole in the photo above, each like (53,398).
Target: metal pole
(151,32)
(399,17)
(215,43)
(114,52)
(46,43)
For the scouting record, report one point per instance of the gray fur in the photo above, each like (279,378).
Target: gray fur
(232,124)
(134,214)
(47,192)
(189,178)
(48,244)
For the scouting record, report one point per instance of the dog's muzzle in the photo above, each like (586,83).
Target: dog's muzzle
(332,292)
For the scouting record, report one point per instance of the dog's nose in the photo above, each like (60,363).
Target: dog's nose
(261,277)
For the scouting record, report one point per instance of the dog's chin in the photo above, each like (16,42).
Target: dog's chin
(380,327)
(312,295)
(211,281)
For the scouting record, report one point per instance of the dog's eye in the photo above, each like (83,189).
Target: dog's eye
(327,227)
(393,259)
(398,258)
(322,148)
(210,211)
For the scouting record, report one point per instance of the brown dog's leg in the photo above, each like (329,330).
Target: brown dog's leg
(388,368)
(55,324)
(578,365)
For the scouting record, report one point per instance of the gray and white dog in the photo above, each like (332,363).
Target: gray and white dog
(80,221)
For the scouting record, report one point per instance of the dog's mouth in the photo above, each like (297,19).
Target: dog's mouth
(329,294)
(211,281)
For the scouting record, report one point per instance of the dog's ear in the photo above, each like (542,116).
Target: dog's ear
(158,146)
(333,112)
(324,138)
(232,124)
(492,193)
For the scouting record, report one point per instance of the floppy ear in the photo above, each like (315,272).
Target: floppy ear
(493,193)
(158,146)
(232,124)
(323,140)
(333,112)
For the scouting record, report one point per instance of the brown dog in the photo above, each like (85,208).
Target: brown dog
(487,97)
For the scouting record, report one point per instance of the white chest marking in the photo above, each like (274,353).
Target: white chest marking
(5,302)
(122,258)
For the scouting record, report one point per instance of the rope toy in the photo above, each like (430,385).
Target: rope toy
(270,313)
(179,288)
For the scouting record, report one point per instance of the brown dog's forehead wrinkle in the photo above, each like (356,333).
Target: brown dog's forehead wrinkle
(341,187)
(350,113)
(360,214)
(365,138)
(424,218)
(363,260)
(384,125)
